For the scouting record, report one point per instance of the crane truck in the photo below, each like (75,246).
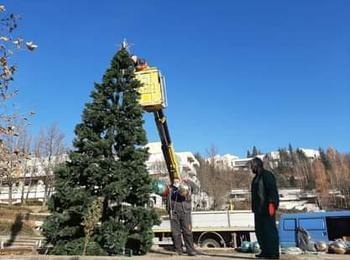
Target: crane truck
(210,228)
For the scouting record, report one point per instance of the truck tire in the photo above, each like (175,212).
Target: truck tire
(211,243)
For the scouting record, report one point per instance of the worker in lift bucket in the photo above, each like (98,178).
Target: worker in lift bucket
(265,202)
(180,207)
(140,63)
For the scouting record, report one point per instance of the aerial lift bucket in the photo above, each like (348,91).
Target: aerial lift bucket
(152,91)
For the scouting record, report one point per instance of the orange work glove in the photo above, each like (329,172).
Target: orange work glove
(272,209)
(166,191)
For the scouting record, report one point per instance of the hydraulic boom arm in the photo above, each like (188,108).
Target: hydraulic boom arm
(167,148)
(152,99)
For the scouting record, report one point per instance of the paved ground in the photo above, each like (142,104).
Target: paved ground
(162,254)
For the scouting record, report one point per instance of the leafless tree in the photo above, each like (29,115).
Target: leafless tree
(35,163)
(25,146)
(52,152)
(321,183)
(340,175)
(14,153)
(11,122)
(9,44)
(216,181)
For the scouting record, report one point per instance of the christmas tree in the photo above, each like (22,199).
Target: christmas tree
(100,204)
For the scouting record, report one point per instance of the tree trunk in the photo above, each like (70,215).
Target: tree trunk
(49,192)
(22,192)
(10,194)
(45,194)
(29,187)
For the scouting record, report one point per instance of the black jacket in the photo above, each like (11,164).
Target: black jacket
(263,191)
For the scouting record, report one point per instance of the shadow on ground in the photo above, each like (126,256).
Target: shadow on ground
(16,228)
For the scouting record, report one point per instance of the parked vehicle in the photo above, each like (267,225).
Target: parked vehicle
(210,228)
(213,228)
(322,226)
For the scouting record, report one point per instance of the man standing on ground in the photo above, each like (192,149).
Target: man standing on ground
(180,208)
(265,200)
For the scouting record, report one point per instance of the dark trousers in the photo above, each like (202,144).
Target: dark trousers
(181,224)
(267,234)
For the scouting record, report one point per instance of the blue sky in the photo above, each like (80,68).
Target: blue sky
(239,73)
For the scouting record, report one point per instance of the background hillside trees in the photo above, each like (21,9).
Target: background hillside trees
(328,175)
(218,182)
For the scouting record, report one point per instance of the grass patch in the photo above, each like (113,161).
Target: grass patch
(33,202)
(18,221)
(11,212)
(14,208)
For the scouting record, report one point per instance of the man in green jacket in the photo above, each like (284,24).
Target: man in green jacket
(265,200)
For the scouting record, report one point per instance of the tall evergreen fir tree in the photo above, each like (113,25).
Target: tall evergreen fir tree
(106,166)
(325,160)
(248,154)
(254,151)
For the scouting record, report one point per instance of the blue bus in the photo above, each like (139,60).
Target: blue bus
(322,226)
